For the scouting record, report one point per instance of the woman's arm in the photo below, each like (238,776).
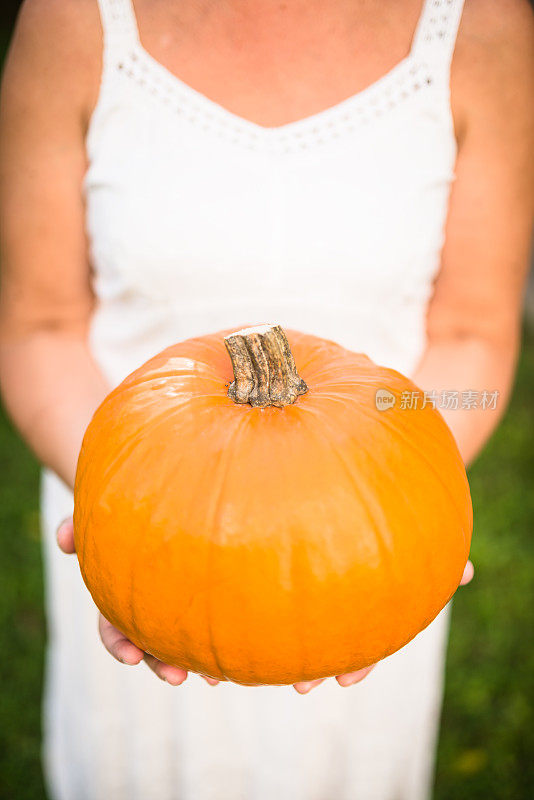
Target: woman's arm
(50,384)
(474,317)
(49,381)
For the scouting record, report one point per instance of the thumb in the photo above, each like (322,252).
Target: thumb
(65,536)
(469,571)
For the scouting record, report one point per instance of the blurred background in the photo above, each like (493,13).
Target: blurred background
(487,736)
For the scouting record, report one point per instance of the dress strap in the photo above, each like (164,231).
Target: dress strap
(119,23)
(436,32)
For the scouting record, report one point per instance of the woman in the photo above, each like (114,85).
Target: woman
(229,195)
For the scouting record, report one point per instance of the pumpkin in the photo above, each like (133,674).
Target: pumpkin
(251,522)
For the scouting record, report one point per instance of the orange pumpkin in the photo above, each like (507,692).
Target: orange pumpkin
(266,526)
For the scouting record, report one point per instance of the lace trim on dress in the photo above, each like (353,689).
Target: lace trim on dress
(433,43)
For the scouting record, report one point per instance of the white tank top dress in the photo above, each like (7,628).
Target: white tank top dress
(200,220)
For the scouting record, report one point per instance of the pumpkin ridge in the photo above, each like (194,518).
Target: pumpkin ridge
(234,436)
(190,374)
(128,446)
(423,457)
(385,553)
(387,423)
(317,353)
(328,422)
(142,537)
(298,606)
(362,495)
(114,466)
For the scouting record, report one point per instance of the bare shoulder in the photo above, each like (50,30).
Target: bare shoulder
(498,40)
(61,15)
(496,20)
(493,65)
(488,20)
(56,50)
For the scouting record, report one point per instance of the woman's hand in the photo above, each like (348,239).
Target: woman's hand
(116,642)
(125,651)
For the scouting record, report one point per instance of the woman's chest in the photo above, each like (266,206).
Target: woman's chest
(277,62)
(320,209)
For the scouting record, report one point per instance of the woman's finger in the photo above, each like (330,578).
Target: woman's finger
(349,678)
(65,536)
(173,675)
(117,644)
(126,652)
(303,687)
(469,571)
(211,681)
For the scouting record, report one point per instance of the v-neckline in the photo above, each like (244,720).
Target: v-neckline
(404,68)
(212,107)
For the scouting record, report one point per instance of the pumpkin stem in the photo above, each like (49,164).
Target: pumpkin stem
(264,368)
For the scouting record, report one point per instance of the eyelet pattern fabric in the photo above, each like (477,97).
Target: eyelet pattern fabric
(416,74)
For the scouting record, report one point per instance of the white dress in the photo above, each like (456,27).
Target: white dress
(200,220)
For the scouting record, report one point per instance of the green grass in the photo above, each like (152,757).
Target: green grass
(22,632)
(487,736)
